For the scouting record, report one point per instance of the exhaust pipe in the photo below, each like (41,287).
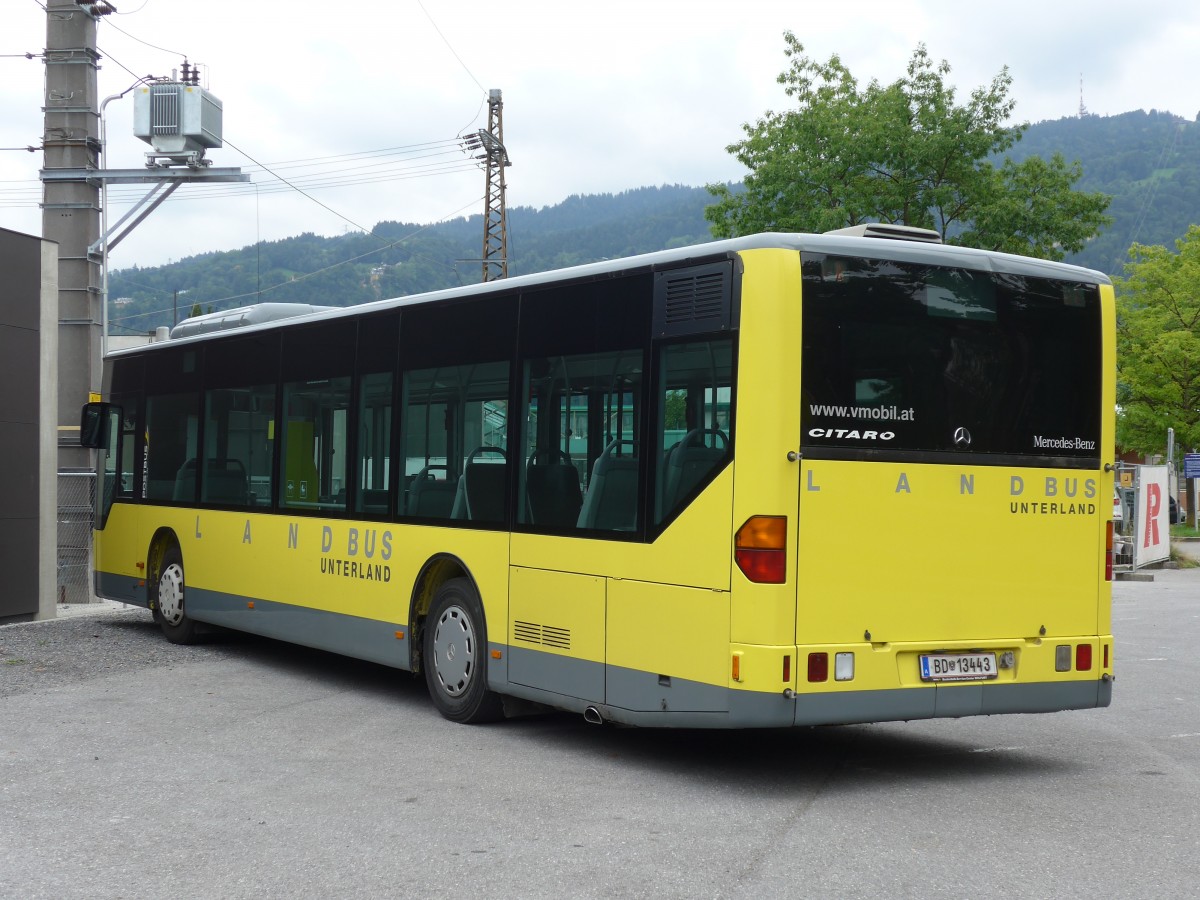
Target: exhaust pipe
(592,715)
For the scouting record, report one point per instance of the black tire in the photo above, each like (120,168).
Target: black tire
(455,655)
(169,610)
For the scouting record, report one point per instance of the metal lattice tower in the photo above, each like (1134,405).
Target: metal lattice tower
(489,147)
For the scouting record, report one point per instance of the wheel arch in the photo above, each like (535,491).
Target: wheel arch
(162,541)
(438,569)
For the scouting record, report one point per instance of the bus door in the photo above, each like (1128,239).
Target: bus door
(578,427)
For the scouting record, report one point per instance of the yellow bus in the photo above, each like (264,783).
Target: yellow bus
(780,480)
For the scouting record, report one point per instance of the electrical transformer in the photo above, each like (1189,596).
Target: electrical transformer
(179,120)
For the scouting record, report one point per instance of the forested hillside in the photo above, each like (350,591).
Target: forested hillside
(1148,162)
(406,258)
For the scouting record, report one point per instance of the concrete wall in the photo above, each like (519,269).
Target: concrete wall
(28,426)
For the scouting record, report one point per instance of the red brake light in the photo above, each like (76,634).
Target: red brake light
(818,667)
(760,549)
(1083,657)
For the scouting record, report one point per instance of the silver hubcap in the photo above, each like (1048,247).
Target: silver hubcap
(454,651)
(170,594)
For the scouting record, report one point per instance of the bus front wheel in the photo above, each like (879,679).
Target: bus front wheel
(455,656)
(169,609)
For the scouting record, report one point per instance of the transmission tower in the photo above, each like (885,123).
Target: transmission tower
(489,147)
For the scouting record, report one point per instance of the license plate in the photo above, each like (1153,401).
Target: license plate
(958,666)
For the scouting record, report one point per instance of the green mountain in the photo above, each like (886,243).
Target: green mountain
(405,258)
(1148,162)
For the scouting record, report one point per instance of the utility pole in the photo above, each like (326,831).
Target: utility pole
(489,147)
(75,215)
(71,209)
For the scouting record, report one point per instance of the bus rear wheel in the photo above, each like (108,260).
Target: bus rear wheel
(169,609)
(455,656)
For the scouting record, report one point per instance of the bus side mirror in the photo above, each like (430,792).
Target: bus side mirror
(94,423)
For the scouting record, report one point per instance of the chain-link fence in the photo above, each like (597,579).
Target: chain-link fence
(76,499)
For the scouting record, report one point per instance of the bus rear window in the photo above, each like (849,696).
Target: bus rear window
(908,361)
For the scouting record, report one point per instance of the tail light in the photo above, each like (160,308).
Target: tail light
(1083,658)
(818,667)
(760,549)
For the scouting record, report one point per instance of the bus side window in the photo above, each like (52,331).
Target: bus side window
(314,444)
(314,435)
(374,443)
(580,443)
(172,439)
(238,431)
(241,377)
(120,465)
(580,432)
(584,351)
(455,442)
(695,433)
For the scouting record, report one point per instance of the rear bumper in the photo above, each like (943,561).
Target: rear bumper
(712,706)
(950,701)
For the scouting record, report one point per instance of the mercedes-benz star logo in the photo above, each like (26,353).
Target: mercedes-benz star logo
(962,437)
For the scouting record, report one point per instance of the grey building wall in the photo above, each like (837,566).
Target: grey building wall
(28,426)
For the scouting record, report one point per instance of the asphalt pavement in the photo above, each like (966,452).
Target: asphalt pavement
(243,767)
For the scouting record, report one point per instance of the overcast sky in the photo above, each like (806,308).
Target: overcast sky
(601,97)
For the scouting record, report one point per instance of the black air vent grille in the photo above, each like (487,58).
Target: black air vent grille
(546,635)
(695,297)
(527,632)
(692,301)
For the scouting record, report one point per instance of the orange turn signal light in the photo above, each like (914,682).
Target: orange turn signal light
(760,549)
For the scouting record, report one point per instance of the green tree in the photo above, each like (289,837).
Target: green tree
(1158,346)
(902,153)
(675,413)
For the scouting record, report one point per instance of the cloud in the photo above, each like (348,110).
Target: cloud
(598,97)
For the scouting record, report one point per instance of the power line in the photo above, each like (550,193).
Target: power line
(108,55)
(373,165)
(307,275)
(449,47)
(297,163)
(138,10)
(362,153)
(299,191)
(140,41)
(28,196)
